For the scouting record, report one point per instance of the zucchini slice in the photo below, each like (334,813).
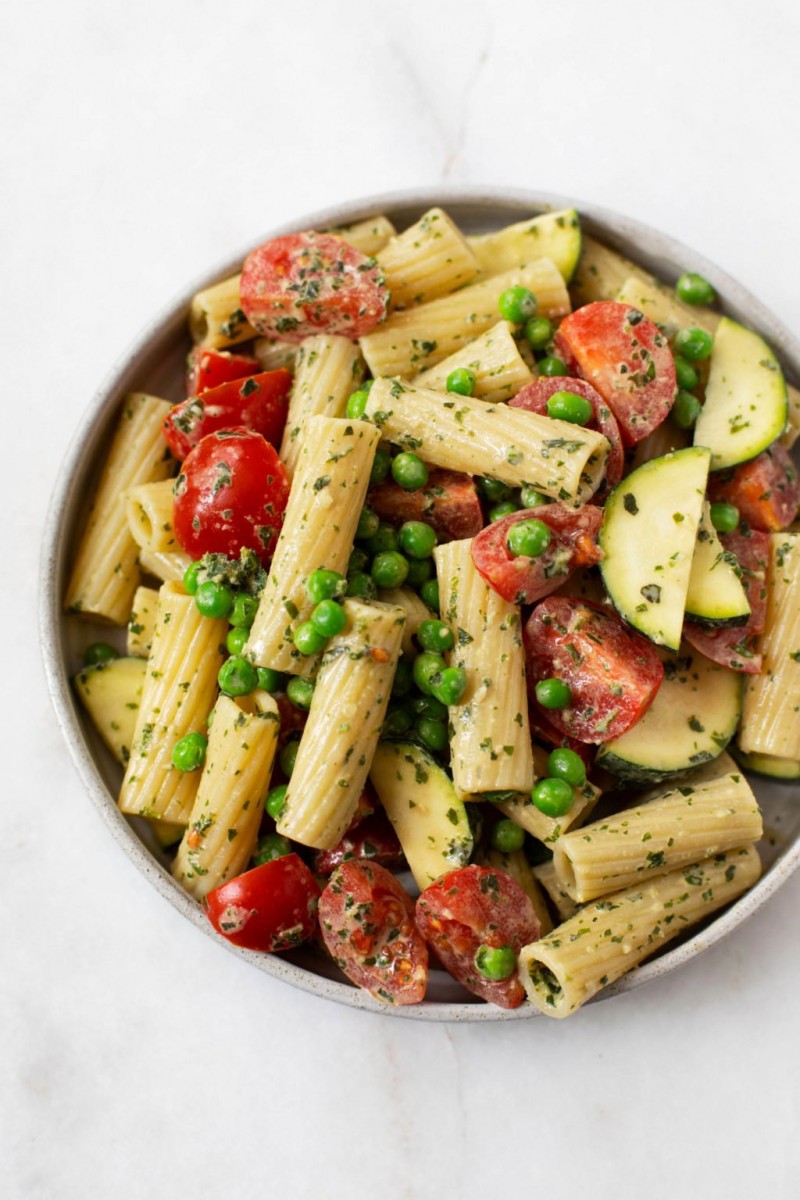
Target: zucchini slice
(769,765)
(555,235)
(648,538)
(110,692)
(692,719)
(429,819)
(716,595)
(746,405)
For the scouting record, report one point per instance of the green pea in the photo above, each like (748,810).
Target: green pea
(517,304)
(98,652)
(237,676)
(327,585)
(530,498)
(269,680)
(552,365)
(190,577)
(384,539)
(538,331)
(436,636)
(498,511)
(528,539)
(507,836)
(724,517)
(494,490)
(359,559)
(428,706)
(685,374)
(236,640)
(430,594)
(432,734)
(426,665)
(451,687)
(417,539)
(495,962)
(270,847)
(389,570)
(361,585)
(244,610)
(685,410)
(213,599)
(565,764)
(694,344)
(381,465)
(553,797)
(308,640)
(276,801)
(287,757)
(356,403)
(328,618)
(403,679)
(567,406)
(300,692)
(398,721)
(694,289)
(462,381)
(189,752)
(409,471)
(553,693)
(419,571)
(368,524)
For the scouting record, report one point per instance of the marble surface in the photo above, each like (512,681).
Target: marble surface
(139,145)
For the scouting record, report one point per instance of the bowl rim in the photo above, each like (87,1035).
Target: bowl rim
(610,225)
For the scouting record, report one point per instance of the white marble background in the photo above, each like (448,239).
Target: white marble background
(140,143)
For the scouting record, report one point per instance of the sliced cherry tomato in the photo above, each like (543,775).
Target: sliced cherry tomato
(373,839)
(273,907)
(307,283)
(524,580)
(765,490)
(472,907)
(613,674)
(259,402)
(207,368)
(231,492)
(626,357)
(449,502)
(367,924)
(735,646)
(534,397)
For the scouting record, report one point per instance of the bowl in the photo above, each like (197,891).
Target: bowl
(155,363)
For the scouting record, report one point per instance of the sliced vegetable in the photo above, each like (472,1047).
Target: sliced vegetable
(271,908)
(766,490)
(716,594)
(110,692)
(372,838)
(208,368)
(448,502)
(259,402)
(735,647)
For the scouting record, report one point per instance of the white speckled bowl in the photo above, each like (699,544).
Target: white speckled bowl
(155,364)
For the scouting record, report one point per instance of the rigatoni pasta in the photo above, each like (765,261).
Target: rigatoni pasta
(428,260)
(494,358)
(326,370)
(148,508)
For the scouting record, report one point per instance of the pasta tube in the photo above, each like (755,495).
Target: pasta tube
(325,502)
(490,738)
(561,460)
(225,817)
(411,341)
(167,565)
(494,358)
(344,723)
(416,611)
(105,574)
(368,236)
(428,260)
(565,906)
(771,706)
(142,621)
(684,825)
(273,354)
(327,370)
(604,940)
(216,319)
(178,694)
(148,508)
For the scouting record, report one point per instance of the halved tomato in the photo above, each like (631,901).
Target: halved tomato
(207,368)
(765,490)
(259,402)
(273,907)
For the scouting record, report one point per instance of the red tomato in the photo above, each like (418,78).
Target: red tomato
(765,490)
(272,907)
(626,358)
(524,580)
(259,402)
(367,924)
(449,502)
(207,368)
(307,283)
(735,646)
(372,838)
(612,672)
(231,492)
(534,397)
(474,906)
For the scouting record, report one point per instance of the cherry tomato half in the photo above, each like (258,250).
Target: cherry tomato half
(231,492)
(207,368)
(367,923)
(273,907)
(448,502)
(259,402)
(765,490)
(372,838)
(735,646)
(307,283)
